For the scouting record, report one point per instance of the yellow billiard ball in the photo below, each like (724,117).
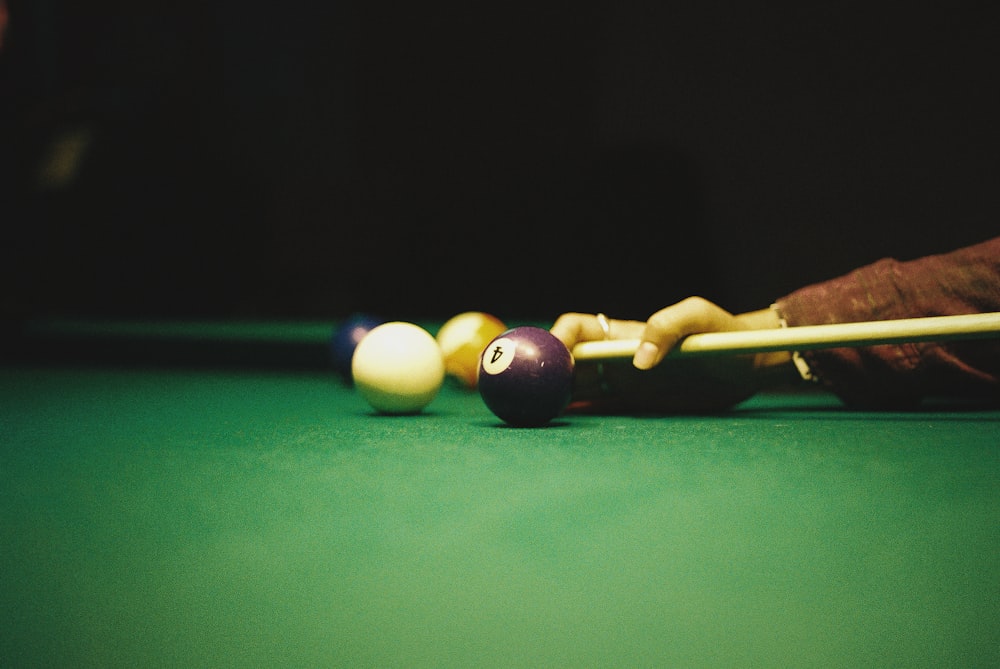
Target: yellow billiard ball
(462,339)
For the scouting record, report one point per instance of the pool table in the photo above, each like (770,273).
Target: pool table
(212,495)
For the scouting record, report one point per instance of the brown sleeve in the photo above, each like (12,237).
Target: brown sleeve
(959,282)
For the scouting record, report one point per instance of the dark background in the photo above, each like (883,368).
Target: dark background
(308,159)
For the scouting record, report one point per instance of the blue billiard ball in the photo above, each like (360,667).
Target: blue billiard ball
(526,376)
(345,338)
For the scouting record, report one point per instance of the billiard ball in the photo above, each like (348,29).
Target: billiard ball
(462,339)
(346,337)
(398,368)
(526,376)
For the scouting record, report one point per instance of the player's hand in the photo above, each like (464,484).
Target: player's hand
(653,382)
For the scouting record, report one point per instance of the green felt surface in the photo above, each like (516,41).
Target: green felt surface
(228,518)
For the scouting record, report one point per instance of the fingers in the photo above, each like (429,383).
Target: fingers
(668,326)
(658,335)
(573,328)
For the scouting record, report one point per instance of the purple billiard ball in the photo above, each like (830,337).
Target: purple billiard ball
(345,339)
(526,376)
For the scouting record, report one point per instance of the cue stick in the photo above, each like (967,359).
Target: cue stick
(836,335)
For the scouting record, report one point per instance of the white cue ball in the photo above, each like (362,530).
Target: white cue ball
(398,368)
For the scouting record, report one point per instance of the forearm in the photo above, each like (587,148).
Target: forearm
(963,281)
(773,368)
